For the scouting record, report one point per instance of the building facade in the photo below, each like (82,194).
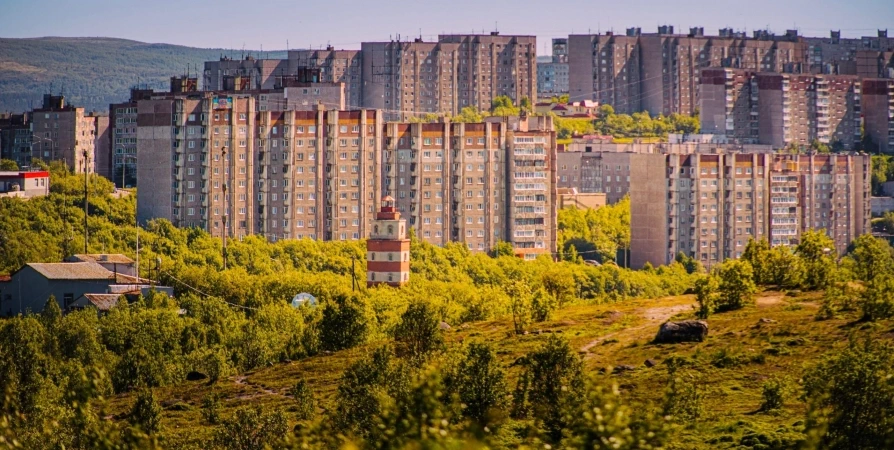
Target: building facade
(710,205)
(64,132)
(781,109)
(15,138)
(878,112)
(552,76)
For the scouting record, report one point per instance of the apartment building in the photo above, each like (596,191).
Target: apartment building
(710,205)
(250,72)
(878,112)
(407,79)
(334,66)
(867,56)
(552,76)
(781,109)
(64,132)
(209,161)
(15,138)
(605,172)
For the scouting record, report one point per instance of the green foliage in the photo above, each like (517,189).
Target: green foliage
(706,295)
(877,299)
(419,333)
(641,124)
(343,324)
(8,165)
(468,114)
(542,305)
(816,251)
(775,392)
(520,299)
(755,254)
(146,412)
(683,400)
(556,383)
(735,283)
(566,127)
(603,419)
(503,106)
(480,384)
(850,398)
(252,428)
(882,171)
(783,268)
(597,233)
(305,404)
(502,248)
(211,408)
(871,257)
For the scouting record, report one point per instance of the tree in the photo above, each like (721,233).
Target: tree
(816,250)
(783,267)
(146,412)
(691,264)
(252,428)
(542,305)
(706,295)
(305,404)
(850,398)
(468,114)
(503,106)
(735,285)
(520,300)
(603,419)
(481,385)
(343,325)
(8,165)
(756,255)
(819,147)
(419,333)
(556,383)
(525,104)
(502,248)
(871,257)
(877,299)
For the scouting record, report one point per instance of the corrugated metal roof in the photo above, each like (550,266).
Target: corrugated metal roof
(115,258)
(72,271)
(102,302)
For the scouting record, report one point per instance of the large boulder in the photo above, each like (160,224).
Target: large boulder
(685,331)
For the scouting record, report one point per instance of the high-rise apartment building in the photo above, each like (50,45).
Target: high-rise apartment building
(878,112)
(552,76)
(64,132)
(407,79)
(334,66)
(251,72)
(15,138)
(781,109)
(710,205)
(218,163)
(660,72)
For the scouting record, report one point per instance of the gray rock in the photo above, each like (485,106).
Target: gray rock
(685,331)
(444,326)
(650,363)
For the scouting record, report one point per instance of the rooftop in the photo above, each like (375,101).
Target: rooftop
(115,258)
(103,302)
(72,271)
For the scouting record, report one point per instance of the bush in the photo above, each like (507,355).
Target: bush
(774,392)
(306,405)
(419,332)
(480,384)
(146,412)
(211,408)
(542,306)
(735,283)
(343,324)
(683,398)
(252,428)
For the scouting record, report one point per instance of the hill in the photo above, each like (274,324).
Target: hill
(93,71)
(777,338)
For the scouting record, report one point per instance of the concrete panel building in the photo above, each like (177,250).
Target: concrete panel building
(335,66)
(64,132)
(878,112)
(15,138)
(552,76)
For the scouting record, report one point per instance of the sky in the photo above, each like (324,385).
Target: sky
(274,24)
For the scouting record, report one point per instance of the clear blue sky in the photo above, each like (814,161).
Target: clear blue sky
(345,23)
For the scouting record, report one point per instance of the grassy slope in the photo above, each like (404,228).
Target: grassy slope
(93,71)
(607,335)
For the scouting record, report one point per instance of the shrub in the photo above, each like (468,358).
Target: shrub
(211,408)
(735,283)
(343,324)
(683,398)
(252,428)
(542,305)
(774,392)
(419,332)
(146,412)
(306,406)
(481,385)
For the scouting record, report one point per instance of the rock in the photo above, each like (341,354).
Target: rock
(444,326)
(766,320)
(195,376)
(623,368)
(684,331)
(650,363)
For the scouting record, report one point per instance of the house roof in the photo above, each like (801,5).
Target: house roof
(115,258)
(103,302)
(72,271)
(130,279)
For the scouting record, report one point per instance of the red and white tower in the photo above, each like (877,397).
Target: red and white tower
(388,249)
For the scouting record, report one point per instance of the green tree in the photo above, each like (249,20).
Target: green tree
(556,383)
(871,257)
(850,398)
(481,385)
(735,285)
(520,302)
(252,428)
(343,324)
(419,333)
(877,299)
(468,114)
(305,404)
(502,248)
(774,392)
(146,412)
(816,250)
(9,165)
(783,267)
(525,104)
(756,254)
(706,294)
(542,305)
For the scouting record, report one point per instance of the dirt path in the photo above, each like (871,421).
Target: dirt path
(241,380)
(653,316)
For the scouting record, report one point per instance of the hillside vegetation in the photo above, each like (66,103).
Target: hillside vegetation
(93,71)
(477,351)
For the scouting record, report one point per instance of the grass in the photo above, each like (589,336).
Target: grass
(741,353)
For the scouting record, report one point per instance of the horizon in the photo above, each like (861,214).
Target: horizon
(110,19)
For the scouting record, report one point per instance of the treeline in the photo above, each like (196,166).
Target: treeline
(636,125)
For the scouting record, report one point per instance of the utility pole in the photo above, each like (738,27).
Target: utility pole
(86,232)
(353,278)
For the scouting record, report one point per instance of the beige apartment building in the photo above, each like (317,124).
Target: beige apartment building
(710,205)
(781,109)
(408,79)
(221,164)
(64,132)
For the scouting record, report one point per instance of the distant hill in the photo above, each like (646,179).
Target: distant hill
(92,71)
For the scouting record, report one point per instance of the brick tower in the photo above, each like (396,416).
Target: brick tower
(388,249)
